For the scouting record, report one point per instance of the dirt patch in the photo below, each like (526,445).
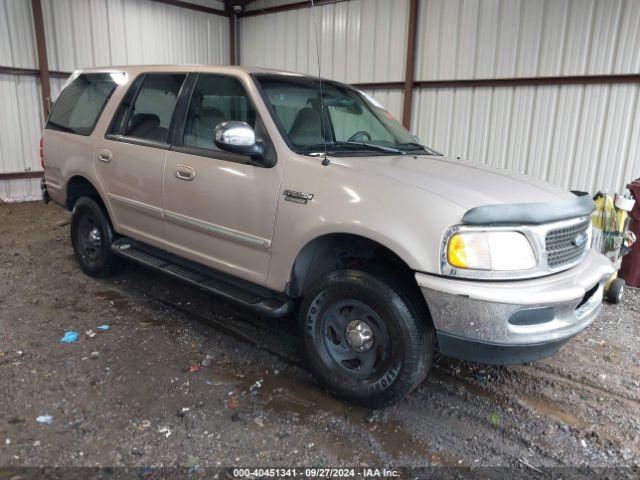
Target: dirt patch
(182,375)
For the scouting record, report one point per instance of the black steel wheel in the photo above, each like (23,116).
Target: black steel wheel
(355,338)
(366,338)
(91,237)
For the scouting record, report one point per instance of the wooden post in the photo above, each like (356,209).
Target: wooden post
(232,35)
(43,64)
(409,82)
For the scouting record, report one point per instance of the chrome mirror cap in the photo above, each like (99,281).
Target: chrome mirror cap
(235,133)
(237,137)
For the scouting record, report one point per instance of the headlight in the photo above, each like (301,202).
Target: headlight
(487,250)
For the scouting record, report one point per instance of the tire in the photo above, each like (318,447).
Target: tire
(616,289)
(371,372)
(91,237)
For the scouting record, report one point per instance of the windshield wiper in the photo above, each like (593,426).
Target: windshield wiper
(354,146)
(417,146)
(380,148)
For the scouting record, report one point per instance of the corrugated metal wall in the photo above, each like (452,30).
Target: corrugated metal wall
(527,38)
(581,137)
(21,111)
(84,33)
(361,41)
(578,136)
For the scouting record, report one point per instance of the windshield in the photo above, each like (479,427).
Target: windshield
(353,121)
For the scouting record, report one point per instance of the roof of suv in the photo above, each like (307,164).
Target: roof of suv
(189,68)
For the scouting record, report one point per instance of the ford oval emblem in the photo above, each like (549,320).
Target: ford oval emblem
(580,239)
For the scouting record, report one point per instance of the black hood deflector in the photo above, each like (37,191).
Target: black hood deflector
(529,213)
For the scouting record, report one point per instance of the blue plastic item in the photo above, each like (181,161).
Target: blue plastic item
(69,337)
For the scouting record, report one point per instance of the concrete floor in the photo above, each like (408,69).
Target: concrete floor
(126,397)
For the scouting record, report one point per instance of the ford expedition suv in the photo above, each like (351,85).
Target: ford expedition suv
(266,190)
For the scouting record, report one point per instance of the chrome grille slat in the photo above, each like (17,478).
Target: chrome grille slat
(560,248)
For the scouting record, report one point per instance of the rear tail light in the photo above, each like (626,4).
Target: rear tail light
(41,153)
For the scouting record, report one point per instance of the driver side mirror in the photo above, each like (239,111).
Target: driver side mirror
(237,137)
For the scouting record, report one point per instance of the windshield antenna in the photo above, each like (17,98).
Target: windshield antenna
(325,160)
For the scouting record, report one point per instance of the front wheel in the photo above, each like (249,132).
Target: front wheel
(367,339)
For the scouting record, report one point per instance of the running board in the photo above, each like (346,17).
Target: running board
(260,299)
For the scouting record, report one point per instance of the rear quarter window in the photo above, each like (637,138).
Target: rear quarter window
(80,104)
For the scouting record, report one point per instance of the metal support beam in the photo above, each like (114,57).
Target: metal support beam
(287,7)
(20,175)
(532,81)
(192,6)
(508,82)
(410,69)
(43,64)
(31,71)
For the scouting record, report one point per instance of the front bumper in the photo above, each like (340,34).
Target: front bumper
(514,321)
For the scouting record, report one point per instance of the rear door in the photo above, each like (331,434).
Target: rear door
(220,207)
(130,159)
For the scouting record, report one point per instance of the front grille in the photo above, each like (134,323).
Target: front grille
(561,249)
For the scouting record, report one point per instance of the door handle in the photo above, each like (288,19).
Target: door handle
(104,156)
(185,172)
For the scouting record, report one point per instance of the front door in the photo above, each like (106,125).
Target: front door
(220,207)
(130,160)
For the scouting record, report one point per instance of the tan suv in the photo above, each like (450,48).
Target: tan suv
(267,190)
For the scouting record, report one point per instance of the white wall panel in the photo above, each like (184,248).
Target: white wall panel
(361,40)
(460,39)
(17,40)
(21,120)
(87,33)
(584,137)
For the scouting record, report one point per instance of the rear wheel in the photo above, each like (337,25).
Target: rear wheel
(367,339)
(91,237)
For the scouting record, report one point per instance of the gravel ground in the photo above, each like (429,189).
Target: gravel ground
(127,397)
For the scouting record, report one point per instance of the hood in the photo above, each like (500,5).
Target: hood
(465,183)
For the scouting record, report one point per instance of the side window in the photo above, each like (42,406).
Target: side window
(215,99)
(118,125)
(80,104)
(149,116)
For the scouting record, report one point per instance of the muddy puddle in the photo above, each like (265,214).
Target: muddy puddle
(285,396)
(116,299)
(538,405)
(72,304)
(551,410)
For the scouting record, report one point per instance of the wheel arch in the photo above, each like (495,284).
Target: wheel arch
(80,186)
(332,251)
